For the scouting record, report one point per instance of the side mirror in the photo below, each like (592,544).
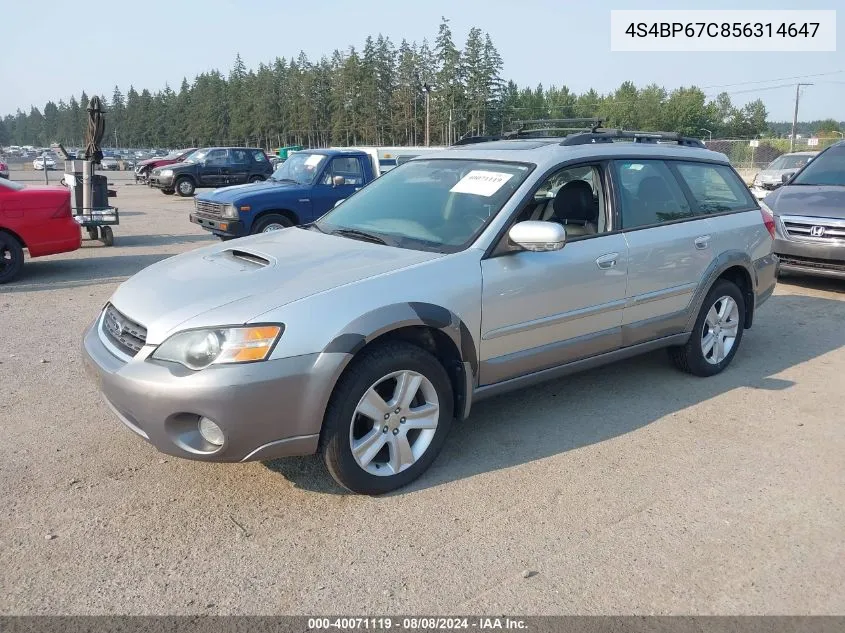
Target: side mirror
(538,236)
(338,181)
(785,178)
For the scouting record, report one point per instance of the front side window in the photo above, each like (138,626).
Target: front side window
(649,193)
(348,168)
(828,168)
(300,168)
(439,205)
(216,157)
(715,188)
(573,197)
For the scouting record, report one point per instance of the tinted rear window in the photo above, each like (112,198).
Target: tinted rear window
(715,188)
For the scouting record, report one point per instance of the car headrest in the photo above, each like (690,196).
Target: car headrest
(575,202)
(654,188)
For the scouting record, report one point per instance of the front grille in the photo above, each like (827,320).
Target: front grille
(812,262)
(128,336)
(821,230)
(209,208)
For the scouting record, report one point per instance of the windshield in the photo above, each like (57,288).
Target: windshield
(828,168)
(196,156)
(789,161)
(300,167)
(438,204)
(10,184)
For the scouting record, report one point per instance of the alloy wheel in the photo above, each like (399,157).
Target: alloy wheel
(394,423)
(720,329)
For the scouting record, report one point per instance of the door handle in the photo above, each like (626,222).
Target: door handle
(702,242)
(606,262)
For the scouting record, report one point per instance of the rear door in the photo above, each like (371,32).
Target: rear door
(237,170)
(670,246)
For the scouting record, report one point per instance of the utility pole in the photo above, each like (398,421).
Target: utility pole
(427,88)
(795,115)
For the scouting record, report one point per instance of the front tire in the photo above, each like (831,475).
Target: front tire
(185,187)
(271,222)
(387,418)
(11,258)
(717,332)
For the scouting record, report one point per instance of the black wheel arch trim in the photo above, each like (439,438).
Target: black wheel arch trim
(724,262)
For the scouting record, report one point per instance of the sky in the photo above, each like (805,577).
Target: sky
(55,48)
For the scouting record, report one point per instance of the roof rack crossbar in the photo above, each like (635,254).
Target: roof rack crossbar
(608,135)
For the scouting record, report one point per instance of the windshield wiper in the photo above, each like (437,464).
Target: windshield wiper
(284,180)
(360,235)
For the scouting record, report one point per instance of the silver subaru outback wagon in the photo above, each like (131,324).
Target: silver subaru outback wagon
(454,277)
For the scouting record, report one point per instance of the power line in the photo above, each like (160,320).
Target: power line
(766,81)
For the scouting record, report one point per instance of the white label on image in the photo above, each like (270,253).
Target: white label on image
(481,183)
(313,159)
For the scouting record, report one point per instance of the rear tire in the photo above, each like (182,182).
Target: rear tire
(255,179)
(392,458)
(717,332)
(271,222)
(11,257)
(185,187)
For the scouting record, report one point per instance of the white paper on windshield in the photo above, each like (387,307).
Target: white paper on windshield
(481,183)
(313,159)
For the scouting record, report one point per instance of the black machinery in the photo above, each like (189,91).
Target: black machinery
(89,192)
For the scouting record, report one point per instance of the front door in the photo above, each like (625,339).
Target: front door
(543,309)
(669,245)
(342,177)
(211,169)
(236,172)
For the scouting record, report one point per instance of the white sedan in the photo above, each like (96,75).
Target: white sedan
(39,163)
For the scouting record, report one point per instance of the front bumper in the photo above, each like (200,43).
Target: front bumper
(811,258)
(220,226)
(266,410)
(161,182)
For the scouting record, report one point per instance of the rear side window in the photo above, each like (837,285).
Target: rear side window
(240,157)
(259,157)
(649,193)
(714,188)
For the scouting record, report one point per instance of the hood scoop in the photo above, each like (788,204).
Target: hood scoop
(238,259)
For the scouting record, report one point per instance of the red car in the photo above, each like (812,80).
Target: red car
(144,167)
(35,218)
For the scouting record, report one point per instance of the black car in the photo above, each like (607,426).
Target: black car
(212,167)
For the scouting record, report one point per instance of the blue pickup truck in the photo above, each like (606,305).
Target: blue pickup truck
(304,187)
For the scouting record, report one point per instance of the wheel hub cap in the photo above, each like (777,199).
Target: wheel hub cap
(394,423)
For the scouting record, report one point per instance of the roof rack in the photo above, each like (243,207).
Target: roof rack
(548,127)
(608,135)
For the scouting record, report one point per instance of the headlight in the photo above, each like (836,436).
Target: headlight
(167,173)
(229,211)
(197,349)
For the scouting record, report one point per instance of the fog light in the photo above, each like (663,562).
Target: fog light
(210,432)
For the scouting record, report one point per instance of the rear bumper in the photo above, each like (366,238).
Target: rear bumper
(824,260)
(64,237)
(266,410)
(220,226)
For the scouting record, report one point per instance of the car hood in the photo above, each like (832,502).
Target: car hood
(236,281)
(774,175)
(238,192)
(177,165)
(824,201)
(154,161)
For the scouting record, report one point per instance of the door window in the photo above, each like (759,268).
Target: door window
(259,157)
(240,157)
(347,167)
(216,157)
(715,188)
(573,197)
(649,194)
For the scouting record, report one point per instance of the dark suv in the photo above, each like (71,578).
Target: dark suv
(212,167)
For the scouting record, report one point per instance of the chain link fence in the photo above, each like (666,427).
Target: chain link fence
(750,156)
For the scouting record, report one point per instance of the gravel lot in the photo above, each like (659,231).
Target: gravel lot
(629,489)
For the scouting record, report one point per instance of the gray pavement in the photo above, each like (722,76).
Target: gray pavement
(628,489)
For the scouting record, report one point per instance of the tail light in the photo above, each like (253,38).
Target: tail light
(768,219)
